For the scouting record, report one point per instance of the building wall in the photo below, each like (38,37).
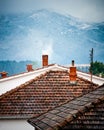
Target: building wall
(15,125)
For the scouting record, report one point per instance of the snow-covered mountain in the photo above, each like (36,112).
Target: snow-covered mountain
(63,37)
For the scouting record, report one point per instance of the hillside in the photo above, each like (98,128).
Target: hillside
(14,67)
(63,37)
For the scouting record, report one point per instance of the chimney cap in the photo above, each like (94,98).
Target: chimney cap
(72,62)
(29,67)
(45,55)
(3,72)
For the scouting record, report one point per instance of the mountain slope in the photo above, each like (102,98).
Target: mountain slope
(63,37)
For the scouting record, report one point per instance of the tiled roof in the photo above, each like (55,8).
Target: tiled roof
(11,82)
(85,112)
(42,94)
(93,119)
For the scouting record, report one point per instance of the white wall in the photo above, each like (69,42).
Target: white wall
(15,125)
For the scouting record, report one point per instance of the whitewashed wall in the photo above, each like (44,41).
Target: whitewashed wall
(15,125)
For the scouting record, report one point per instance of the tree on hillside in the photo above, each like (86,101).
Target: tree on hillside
(97,68)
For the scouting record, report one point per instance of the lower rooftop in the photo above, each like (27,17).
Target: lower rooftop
(84,112)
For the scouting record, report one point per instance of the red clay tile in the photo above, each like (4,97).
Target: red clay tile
(42,94)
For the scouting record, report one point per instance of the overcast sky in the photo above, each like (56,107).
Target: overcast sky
(88,10)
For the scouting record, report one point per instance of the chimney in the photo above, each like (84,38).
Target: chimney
(45,60)
(3,74)
(29,68)
(72,74)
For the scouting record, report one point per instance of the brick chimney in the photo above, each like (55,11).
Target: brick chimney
(45,60)
(72,74)
(3,74)
(29,68)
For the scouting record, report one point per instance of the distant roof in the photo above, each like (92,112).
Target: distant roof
(41,94)
(84,112)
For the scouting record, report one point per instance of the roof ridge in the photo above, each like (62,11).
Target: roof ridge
(15,89)
(36,78)
(22,85)
(28,82)
(27,71)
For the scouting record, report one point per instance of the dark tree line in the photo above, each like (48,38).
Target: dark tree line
(96,68)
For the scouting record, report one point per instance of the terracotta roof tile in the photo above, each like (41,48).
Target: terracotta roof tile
(91,119)
(85,114)
(42,94)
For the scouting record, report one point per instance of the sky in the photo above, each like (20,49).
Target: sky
(88,10)
(85,10)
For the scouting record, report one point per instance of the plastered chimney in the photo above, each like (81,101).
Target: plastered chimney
(72,74)
(45,60)
(29,68)
(3,74)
